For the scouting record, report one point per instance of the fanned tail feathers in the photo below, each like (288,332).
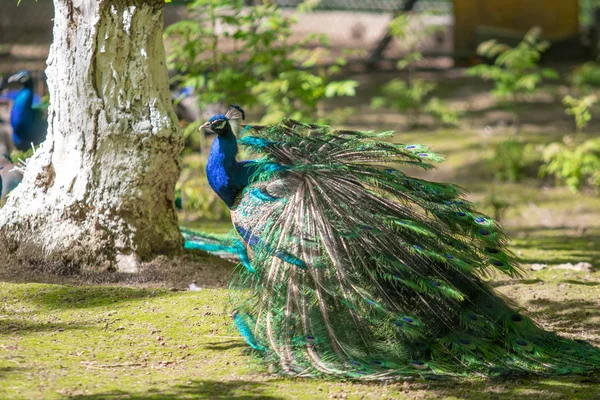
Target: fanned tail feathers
(360,270)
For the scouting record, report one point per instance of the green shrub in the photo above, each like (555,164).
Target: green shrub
(515,71)
(404,97)
(442,112)
(246,55)
(580,109)
(574,165)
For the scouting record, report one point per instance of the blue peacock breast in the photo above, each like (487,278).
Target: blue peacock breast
(221,183)
(216,174)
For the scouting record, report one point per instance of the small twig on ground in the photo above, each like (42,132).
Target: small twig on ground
(104,366)
(224,337)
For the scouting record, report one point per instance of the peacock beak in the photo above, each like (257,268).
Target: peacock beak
(206,127)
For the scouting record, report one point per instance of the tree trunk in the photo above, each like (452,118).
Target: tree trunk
(99,193)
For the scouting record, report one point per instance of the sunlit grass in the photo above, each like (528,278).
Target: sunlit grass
(85,342)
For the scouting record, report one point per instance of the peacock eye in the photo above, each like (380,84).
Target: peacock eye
(220,125)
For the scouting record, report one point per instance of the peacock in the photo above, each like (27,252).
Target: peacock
(351,268)
(28,125)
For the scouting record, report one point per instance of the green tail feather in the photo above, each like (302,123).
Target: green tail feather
(361,271)
(224,246)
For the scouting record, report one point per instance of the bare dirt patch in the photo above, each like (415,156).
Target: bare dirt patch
(175,273)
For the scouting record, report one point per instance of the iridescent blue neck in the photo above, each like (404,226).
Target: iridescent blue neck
(222,167)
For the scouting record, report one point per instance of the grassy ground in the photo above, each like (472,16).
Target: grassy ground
(144,337)
(144,340)
(98,342)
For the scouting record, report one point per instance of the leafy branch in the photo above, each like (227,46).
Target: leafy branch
(231,53)
(515,71)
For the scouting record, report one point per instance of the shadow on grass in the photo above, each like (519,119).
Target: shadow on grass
(75,297)
(199,389)
(227,345)
(507,282)
(479,173)
(4,371)
(574,282)
(569,316)
(515,388)
(527,388)
(569,248)
(18,327)
(559,241)
(472,173)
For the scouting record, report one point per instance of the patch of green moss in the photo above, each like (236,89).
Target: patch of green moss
(86,342)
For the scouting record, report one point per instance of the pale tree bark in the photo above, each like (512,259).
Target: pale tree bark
(99,191)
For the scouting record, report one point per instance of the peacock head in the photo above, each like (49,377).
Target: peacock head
(218,124)
(23,77)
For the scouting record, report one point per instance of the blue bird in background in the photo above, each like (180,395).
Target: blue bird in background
(28,125)
(185,104)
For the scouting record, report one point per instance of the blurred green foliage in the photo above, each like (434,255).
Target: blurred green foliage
(586,76)
(580,109)
(408,97)
(413,96)
(20,157)
(231,53)
(573,164)
(586,11)
(515,71)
